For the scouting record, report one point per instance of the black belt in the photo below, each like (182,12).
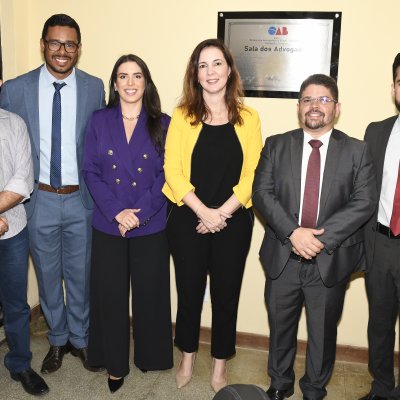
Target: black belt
(385,230)
(302,260)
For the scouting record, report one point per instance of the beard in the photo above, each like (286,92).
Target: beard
(397,104)
(52,65)
(314,124)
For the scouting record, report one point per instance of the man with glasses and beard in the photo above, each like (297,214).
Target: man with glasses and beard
(382,237)
(315,187)
(56,101)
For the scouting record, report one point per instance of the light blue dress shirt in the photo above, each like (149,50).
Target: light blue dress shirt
(69,166)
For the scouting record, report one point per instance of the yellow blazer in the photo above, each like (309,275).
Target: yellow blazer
(181,139)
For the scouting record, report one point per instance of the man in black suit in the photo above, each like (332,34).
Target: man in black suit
(382,236)
(316,189)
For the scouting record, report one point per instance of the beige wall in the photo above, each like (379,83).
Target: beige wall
(164,33)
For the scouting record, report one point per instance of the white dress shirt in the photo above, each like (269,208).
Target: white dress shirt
(389,177)
(306,155)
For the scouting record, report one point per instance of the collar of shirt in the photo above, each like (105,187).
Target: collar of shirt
(70,80)
(324,138)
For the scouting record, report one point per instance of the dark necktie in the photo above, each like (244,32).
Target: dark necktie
(395,219)
(311,187)
(55,161)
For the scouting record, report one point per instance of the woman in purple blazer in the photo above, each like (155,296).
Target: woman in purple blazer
(123,169)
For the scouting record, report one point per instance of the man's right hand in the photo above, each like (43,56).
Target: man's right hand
(305,243)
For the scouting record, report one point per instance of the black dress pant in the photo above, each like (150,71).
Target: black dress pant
(118,263)
(383,290)
(223,256)
(298,284)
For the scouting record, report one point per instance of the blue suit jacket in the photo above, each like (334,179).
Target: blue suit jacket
(121,175)
(21,96)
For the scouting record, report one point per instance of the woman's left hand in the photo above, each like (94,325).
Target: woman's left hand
(212,218)
(202,229)
(122,230)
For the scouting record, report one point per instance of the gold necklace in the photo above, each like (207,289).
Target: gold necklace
(130,118)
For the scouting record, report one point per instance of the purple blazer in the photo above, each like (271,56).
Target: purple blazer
(121,175)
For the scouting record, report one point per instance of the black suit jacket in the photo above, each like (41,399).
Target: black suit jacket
(348,199)
(377,136)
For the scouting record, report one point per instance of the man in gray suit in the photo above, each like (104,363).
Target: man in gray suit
(315,187)
(56,100)
(382,236)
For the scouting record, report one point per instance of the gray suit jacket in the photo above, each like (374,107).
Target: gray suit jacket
(21,96)
(377,136)
(348,199)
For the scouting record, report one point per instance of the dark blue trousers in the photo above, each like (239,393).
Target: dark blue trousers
(13,296)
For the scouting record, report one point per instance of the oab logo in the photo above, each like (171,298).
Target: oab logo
(277,31)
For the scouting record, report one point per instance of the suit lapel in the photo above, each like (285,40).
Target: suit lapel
(32,107)
(139,138)
(118,137)
(331,164)
(382,141)
(127,153)
(82,92)
(296,155)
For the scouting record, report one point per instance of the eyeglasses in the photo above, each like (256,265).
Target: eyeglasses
(55,45)
(320,100)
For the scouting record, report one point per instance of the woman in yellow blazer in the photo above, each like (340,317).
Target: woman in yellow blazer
(212,149)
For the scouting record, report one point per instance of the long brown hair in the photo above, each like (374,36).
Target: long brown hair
(192,101)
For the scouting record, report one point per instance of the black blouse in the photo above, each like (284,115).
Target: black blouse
(217,161)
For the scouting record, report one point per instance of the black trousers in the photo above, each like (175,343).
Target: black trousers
(118,263)
(383,290)
(297,285)
(222,255)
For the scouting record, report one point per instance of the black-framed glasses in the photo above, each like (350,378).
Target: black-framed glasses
(55,45)
(320,100)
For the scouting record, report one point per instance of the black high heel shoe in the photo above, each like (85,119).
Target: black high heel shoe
(115,384)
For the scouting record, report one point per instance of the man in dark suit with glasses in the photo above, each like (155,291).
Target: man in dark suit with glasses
(315,187)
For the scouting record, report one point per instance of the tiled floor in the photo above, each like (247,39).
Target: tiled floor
(349,381)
